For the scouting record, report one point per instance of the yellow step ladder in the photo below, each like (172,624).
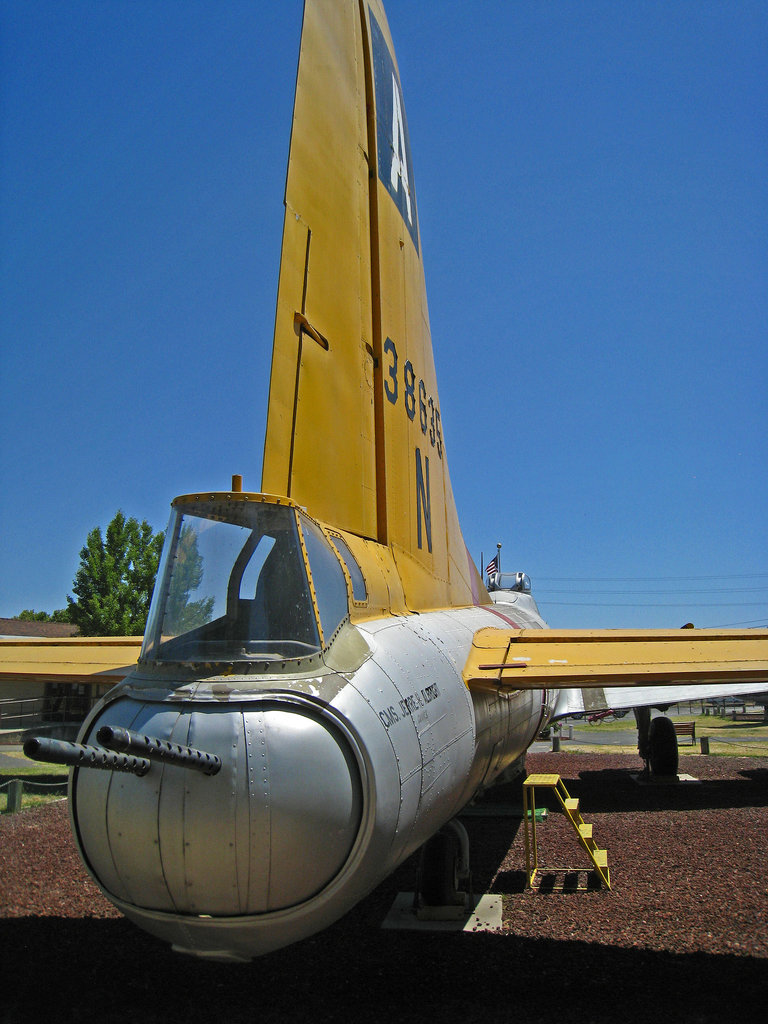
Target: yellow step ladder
(570,807)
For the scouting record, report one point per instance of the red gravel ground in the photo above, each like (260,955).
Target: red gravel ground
(683,934)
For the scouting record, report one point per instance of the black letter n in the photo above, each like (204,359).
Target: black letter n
(423,500)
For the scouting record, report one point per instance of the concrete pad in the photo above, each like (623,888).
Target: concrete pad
(484,917)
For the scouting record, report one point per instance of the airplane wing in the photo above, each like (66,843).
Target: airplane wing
(636,667)
(105,659)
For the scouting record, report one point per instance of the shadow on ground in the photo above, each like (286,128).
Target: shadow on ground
(105,970)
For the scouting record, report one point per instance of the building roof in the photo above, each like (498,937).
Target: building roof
(24,627)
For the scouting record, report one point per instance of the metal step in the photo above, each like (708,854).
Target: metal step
(583,829)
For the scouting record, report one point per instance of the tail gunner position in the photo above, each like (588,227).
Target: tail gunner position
(285,642)
(324,681)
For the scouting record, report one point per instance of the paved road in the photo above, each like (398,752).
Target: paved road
(628,737)
(623,737)
(8,762)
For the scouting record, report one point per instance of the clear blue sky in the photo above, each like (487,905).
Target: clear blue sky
(593,201)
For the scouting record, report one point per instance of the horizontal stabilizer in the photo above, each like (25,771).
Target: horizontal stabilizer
(72,660)
(546,659)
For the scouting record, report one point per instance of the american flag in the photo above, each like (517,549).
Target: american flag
(493,567)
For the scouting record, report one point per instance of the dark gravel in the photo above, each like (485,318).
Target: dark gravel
(684,931)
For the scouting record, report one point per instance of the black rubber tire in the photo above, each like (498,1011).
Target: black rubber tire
(438,872)
(662,747)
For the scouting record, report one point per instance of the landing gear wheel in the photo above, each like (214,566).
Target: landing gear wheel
(662,747)
(439,871)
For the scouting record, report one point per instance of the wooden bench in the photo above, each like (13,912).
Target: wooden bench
(686,729)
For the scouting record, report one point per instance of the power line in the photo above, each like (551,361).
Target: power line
(665,593)
(761,623)
(651,579)
(654,604)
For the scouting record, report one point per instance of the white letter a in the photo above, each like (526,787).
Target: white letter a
(399,158)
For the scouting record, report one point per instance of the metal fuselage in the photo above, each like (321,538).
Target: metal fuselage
(309,658)
(332,777)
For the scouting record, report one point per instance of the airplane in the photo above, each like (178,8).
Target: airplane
(325,681)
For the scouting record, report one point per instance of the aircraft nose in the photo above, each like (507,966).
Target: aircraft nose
(269,831)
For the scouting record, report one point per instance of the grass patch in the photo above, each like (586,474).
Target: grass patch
(27,767)
(721,727)
(573,747)
(718,747)
(582,725)
(722,748)
(32,772)
(31,800)
(706,725)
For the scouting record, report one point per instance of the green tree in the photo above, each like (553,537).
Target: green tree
(182,614)
(30,615)
(114,583)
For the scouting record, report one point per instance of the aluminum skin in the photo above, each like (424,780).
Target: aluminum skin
(330,780)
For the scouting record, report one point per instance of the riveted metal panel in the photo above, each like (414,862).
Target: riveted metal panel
(131,809)
(256,788)
(170,812)
(432,731)
(210,835)
(315,790)
(89,795)
(395,681)
(362,704)
(445,728)
(410,798)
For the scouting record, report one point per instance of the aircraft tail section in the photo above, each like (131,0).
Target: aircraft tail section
(319,447)
(354,430)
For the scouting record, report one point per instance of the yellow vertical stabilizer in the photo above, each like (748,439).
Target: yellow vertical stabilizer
(354,431)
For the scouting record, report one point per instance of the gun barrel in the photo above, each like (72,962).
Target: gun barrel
(154,749)
(81,755)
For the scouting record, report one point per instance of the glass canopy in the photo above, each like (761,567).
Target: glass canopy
(243,580)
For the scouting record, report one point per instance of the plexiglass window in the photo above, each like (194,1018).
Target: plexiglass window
(327,577)
(359,591)
(232,586)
